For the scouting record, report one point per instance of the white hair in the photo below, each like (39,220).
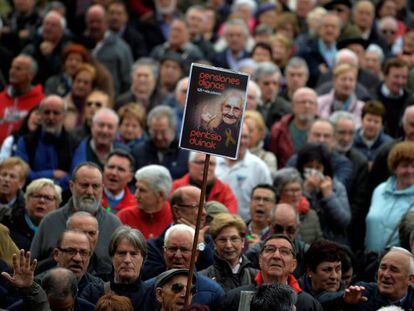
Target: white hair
(62,19)
(178,228)
(250,3)
(346,54)
(406,252)
(377,49)
(105,111)
(388,20)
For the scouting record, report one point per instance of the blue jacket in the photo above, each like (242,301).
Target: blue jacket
(370,152)
(388,206)
(175,159)
(207,293)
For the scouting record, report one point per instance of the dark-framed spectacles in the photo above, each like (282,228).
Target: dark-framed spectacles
(282,229)
(47,198)
(73,251)
(284,251)
(178,288)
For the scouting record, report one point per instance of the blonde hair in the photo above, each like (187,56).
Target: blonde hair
(13,162)
(343,68)
(38,184)
(224,220)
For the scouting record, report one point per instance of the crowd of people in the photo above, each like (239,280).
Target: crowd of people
(98,203)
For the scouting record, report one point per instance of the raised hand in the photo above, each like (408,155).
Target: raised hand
(23,270)
(353,295)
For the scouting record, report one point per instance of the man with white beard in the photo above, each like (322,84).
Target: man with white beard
(86,187)
(344,132)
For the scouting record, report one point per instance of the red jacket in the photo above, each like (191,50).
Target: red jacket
(14,109)
(221,192)
(128,200)
(280,142)
(151,225)
(291,281)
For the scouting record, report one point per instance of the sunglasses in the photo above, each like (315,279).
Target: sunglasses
(178,287)
(281,229)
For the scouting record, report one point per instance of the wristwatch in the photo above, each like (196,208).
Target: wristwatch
(201,246)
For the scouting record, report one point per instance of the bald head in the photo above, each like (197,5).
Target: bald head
(284,219)
(96,22)
(52,110)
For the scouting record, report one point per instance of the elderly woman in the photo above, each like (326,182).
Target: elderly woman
(391,200)
(153,212)
(342,96)
(289,189)
(42,196)
(326,195)
(132,120)
(128,250)
(230,269)
(324,271)
(257,129)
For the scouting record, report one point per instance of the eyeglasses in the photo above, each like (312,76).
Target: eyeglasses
(282,229)
(175,249)
(94,103)
(388,31)
(233,240)
(178,288)
(47,198)
(257,198)
(284,251)
(73,251)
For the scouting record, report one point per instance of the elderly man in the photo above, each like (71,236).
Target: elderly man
(108,48)
(216,189)
(95,148)
(86,188)
(277,262)
(20,96)
(50,149)
(236,34)
(144,75)
(47,46)
(13,174)
(162,145)
(128,249)
(42,197)
(290,134)
(267,75)
(151,213)
(177,255)
(296,76)
(243,174)
(118,172)
(254,96)
(184,208)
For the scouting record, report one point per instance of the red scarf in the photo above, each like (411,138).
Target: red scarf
(291,281)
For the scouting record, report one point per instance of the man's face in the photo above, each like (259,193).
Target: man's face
(143,80)
(327,276)
(117,16)
(19,73)
(371,125)
(52,29)
(408,126)
(344,135)
(261,203)
(389,31)
(303,7)
(196,168)
(117,174)
(372,61)
(172,295)
(11,181)
(232,110)
(147,199)
(127,262)
(276,261)
(177,250)
(74,253)
(304,106)
(82,84)
(181,92)
(94,102)
(295,78)
(269,85)
(178,35)
(165,7)
(396,79)
(235,38)
(87,225)
(87,189)
(161,133)
(394,275)
(104,130)
(188,209)
(342,11)
(195,19)
(322,133)
(330,29)
(53,113)
(364,15)
(252,98)
(284,222)
(170,72)
(96,24)
(41,202)
(229,244)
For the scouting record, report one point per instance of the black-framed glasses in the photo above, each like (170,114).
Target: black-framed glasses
(178,287)
(91,103)
(282,229)
(73,251)
(283,250)
(47,198)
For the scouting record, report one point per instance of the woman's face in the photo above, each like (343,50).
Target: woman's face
(405,174)
(344,84)
(130,129)
(34,121)
(279,51)
(255,134)
(229,244)
(72,63)
(82,85)
(315,165)
(291,193)
(327,277)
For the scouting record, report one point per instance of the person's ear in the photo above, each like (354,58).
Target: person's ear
(411,278)
(293,265)
(55,254)
(158,294)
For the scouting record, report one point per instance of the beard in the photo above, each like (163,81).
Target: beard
(87,203)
